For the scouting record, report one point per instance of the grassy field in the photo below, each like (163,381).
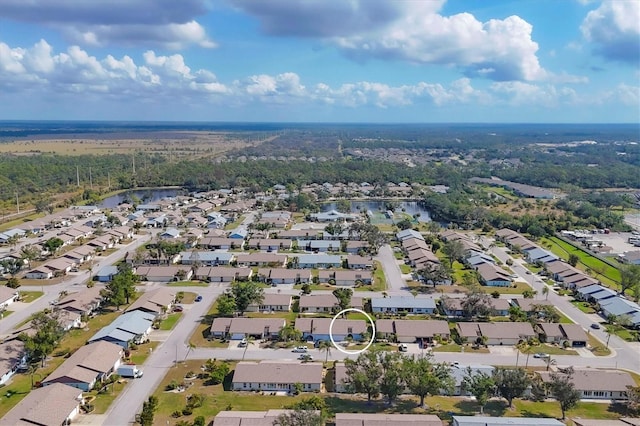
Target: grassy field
(606,273)
(549,349)
(454,347)
(218,399)
(583,306)
(170,321)
(30,296)
(188,284)
(597,347)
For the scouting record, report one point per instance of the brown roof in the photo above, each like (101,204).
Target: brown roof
(81,301)
(490,272)
(49,405)
(574,332)
(154,300)
(247,418)
(551,329)
(528,304)
(87,362)
(275,299)
(318,300)
(278,372)
(321,325)
(384,419)
(415,328)
(597,380)
(262,258)
(506,329)
(11,352)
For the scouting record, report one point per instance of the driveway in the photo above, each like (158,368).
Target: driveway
(395,283)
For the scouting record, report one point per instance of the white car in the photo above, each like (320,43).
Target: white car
(300,349)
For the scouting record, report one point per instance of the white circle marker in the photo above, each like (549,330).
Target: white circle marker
(373,331)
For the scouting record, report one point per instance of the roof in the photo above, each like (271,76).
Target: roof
(319,259)
(274,299)
(7,293)
(403,302)
(126,326)
(597,380)
(409,233)
(107,271)
(11,353)
(506,329)
(459,372)
(278,372)
(624,421)
(527,305)
(318,300)
(82,300)
(87,362)
(497,421)
(417,328)
(491,272)
(247,325)
(247,418)
(574,332)
(49,405)
(154,300)
(384,419)
(206,256)
(321,326)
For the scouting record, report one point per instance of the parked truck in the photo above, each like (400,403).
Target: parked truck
(128,370)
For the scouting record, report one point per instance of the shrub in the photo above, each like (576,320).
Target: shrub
(187,411)
(198,421)
(176,414)
(173,385)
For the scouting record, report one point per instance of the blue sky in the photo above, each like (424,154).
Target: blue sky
(321,60)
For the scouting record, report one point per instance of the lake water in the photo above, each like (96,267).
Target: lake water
(409,207)
(144,195)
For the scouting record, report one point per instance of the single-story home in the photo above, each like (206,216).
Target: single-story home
(221,243)
(355,261)
(380,419)
(285,276)
(84,302)
(239,328)
(403,304)
(499,333)
(7,296)
(573,334)
(164,274)
(156,301)
(317,329)
(272,302)
(57,404)
(89,365)
(319,261)
(459,372)
(317,303)
(261,259)
(319,245)
(133,326)
(493,276)
(504,421)
(598,384)
(345,278)
(411,331)
(277,376)
(106,273)
(12,355)
(39,273)
(206,258)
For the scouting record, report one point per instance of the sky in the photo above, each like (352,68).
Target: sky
(391,61)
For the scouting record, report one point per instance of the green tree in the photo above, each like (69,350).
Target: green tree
(149,408)
(630,279)
(289,333)
(13,283)
(299,417)
(53,244)
(476,304)
(433,273)
(511,382)
(226,304)
(392,379)
(29,253)
(246,293)
(217,372)
(121,288)
(47,333)
(325,346)
(573,259)
(423,377)
(454,250)
(480,385)
(516,314)
(344,297)
(563,390)
(363,374)
(11,266)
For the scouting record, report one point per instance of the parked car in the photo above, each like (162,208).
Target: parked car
(242,343)
(540,355)
(178,308)
(299,349)
(305,357)
(198,298)
(403,347)
(595,326)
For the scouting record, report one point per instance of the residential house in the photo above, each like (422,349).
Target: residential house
(221,243)
(459,372)
(539,255)
(155,301)
(277,376)
(60,266)
(106,274)
(12,356)
(89,365)
(248,418)
(130,327)
(269,244)
(275,276)
(7,296)
(493,276)
(164,273)
(504,421)
(618,306)
(318,303)
(598,384)
(317,329)
(221,274)
(57,404)
(272,302)
(572,335)
(346,278)
(403,304)
(333,216)
(319,261)
(261,259)
(412,331)
(623,421)
(240,328)
(239,233)
(206,258)
(500,333)
(299,234)
(453,307)
(359,262)
(380,419)
(409,233)
(355,247)
(84,302)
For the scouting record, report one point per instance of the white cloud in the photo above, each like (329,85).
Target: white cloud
(167,23)
(413,31)
(613,30)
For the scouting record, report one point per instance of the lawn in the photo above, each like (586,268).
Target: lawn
(30,296)
(583,306)
(597,347)
(188,284)
(188,298)
(379,280)
(218,399)
(518,287)
(606,273)
(170,321)
(549,349)
(454,347)
(139,355)
(405,269)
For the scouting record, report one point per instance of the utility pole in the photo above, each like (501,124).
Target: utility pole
(78,176)
(17,202)
(134,163)
(90,179)
(109,181)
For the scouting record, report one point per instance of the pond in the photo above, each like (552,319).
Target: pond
(411,208)
(144,195)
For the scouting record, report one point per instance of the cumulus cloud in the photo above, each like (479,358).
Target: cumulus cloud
(167,23)
(613,30)
(413,31)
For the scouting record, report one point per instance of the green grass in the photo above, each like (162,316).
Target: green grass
(379,281)
(189,298)
(188,284)
(141,353)
(454,347)
(583,306)
(405,269)
(104,399)
(30,296)
(597,347)
(516,288)
(549,349)
(6,313)
(606,273)
(170,321)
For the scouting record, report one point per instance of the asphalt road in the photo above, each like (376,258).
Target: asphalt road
(72,283)
(395,283)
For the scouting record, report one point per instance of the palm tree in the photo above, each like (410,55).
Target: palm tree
(545,291)
(325,346)
(190,347)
